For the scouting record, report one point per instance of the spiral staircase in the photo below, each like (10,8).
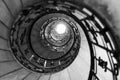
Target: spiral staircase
(30,49)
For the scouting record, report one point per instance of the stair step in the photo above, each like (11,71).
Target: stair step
(33,76)
(56,76)
(8,68)
(45,77)
(5,55)
(29,2)
(5,15)
(3,31)
(79,69)
(18,75)
(4,44)
(64,75)
(13,9)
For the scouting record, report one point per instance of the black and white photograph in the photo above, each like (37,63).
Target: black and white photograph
(59,39)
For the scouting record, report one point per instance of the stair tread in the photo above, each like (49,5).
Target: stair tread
(28,2)
(14,9)
(5,55)
(45,77)
(64,75)
(33,76)
(3,31)
(18,75)
(4,44)
(8,67)
(5,16)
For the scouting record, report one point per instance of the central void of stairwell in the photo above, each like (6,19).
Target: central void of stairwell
(45,39)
